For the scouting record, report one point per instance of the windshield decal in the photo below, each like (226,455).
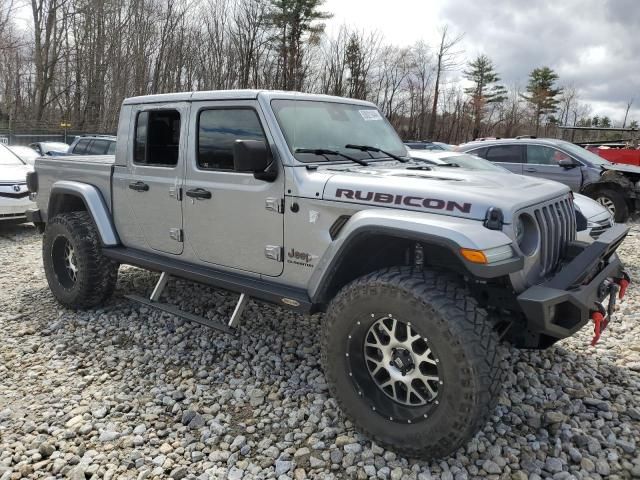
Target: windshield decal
(369,115)
(409,201)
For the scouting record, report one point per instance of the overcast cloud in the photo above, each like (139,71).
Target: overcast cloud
(592,44)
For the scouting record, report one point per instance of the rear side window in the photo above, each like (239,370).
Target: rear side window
(157,139)
(112,148)
(98,147)
(218,130)
(81,147)
(541,155)
(480,152)
(505,154)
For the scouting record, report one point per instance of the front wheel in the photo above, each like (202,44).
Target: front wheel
(79,275)
(614,202)
(412,360)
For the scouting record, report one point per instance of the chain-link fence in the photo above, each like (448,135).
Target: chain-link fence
(27,137)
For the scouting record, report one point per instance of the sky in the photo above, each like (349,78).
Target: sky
(593,45)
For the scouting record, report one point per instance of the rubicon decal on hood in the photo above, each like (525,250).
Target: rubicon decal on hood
(409,201)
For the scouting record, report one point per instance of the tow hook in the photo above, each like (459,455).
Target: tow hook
(623,283)
(601,316)
(600,322)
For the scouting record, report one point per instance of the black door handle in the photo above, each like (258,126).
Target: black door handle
(199,193)
(139,186)
(530,169)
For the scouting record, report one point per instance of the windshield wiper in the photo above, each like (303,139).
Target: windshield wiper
(369,148)
(324,152)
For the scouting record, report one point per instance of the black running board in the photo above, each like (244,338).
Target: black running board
(293,298)
(172,309)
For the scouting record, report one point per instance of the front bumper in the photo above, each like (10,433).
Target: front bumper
(12,209)
(562,305)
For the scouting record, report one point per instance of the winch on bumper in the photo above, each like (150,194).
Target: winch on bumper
(593,274)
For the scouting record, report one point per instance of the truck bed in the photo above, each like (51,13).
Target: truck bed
(92,169)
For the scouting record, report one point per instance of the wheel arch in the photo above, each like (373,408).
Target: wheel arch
(365,248)
(66,196)
(593,188)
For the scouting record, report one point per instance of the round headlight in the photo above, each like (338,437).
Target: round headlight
(527,235)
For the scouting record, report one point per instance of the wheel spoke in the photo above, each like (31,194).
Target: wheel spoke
(396,348)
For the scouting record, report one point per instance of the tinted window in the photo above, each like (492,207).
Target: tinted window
(112,148)
(81,147)
(98,147)
(480,152)
(219,129)
(505,154)
(157,138)
(541,155)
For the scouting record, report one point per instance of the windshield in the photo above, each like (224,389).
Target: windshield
(311,125)
(7,157)
(584,154)
(54,147)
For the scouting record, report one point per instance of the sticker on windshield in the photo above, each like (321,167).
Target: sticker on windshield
(369,115)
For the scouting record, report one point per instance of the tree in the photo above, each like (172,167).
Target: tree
(626,113)
(605,122)
(293,20)
(446,60)
(542,93)
(485,89)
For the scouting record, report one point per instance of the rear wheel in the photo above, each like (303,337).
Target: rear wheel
(79,275)
(412,360)
(614,202)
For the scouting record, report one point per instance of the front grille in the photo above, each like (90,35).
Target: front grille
(557,224)
(602,226)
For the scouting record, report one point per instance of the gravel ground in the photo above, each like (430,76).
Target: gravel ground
(128,392)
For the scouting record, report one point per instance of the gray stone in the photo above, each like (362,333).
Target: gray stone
(491,467)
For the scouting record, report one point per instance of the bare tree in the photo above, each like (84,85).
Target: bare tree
(447,59)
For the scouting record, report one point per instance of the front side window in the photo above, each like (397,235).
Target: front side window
(112,148)
(98,147)
(157,139)
(81,147)
(218,130)
(542,155)
(505,154)
(308,124)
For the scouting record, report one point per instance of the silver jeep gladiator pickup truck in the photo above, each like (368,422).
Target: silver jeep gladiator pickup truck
(310,202)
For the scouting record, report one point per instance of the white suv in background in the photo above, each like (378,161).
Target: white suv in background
(14,194)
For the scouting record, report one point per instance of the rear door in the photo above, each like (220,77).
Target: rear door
(510,157)
(542,162)
(155,170)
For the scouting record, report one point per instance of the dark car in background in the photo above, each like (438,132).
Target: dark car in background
(614,186)
(93,145)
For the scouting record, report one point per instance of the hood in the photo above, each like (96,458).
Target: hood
(453,192)
(591,209)
(622,167)
(14,173)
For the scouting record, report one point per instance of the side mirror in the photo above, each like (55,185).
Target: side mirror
(250,156)
(567,163)
(254,156)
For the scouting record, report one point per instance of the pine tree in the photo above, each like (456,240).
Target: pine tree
(542,93)
(293,20)
(485,88)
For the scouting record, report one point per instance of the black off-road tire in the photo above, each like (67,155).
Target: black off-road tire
(96,275)
(459,334)
(607,196)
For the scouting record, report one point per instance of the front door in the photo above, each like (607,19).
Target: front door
(507,156)
(231,218)
(154,174)
(542,161)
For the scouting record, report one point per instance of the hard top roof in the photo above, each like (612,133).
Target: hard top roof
(238,95)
